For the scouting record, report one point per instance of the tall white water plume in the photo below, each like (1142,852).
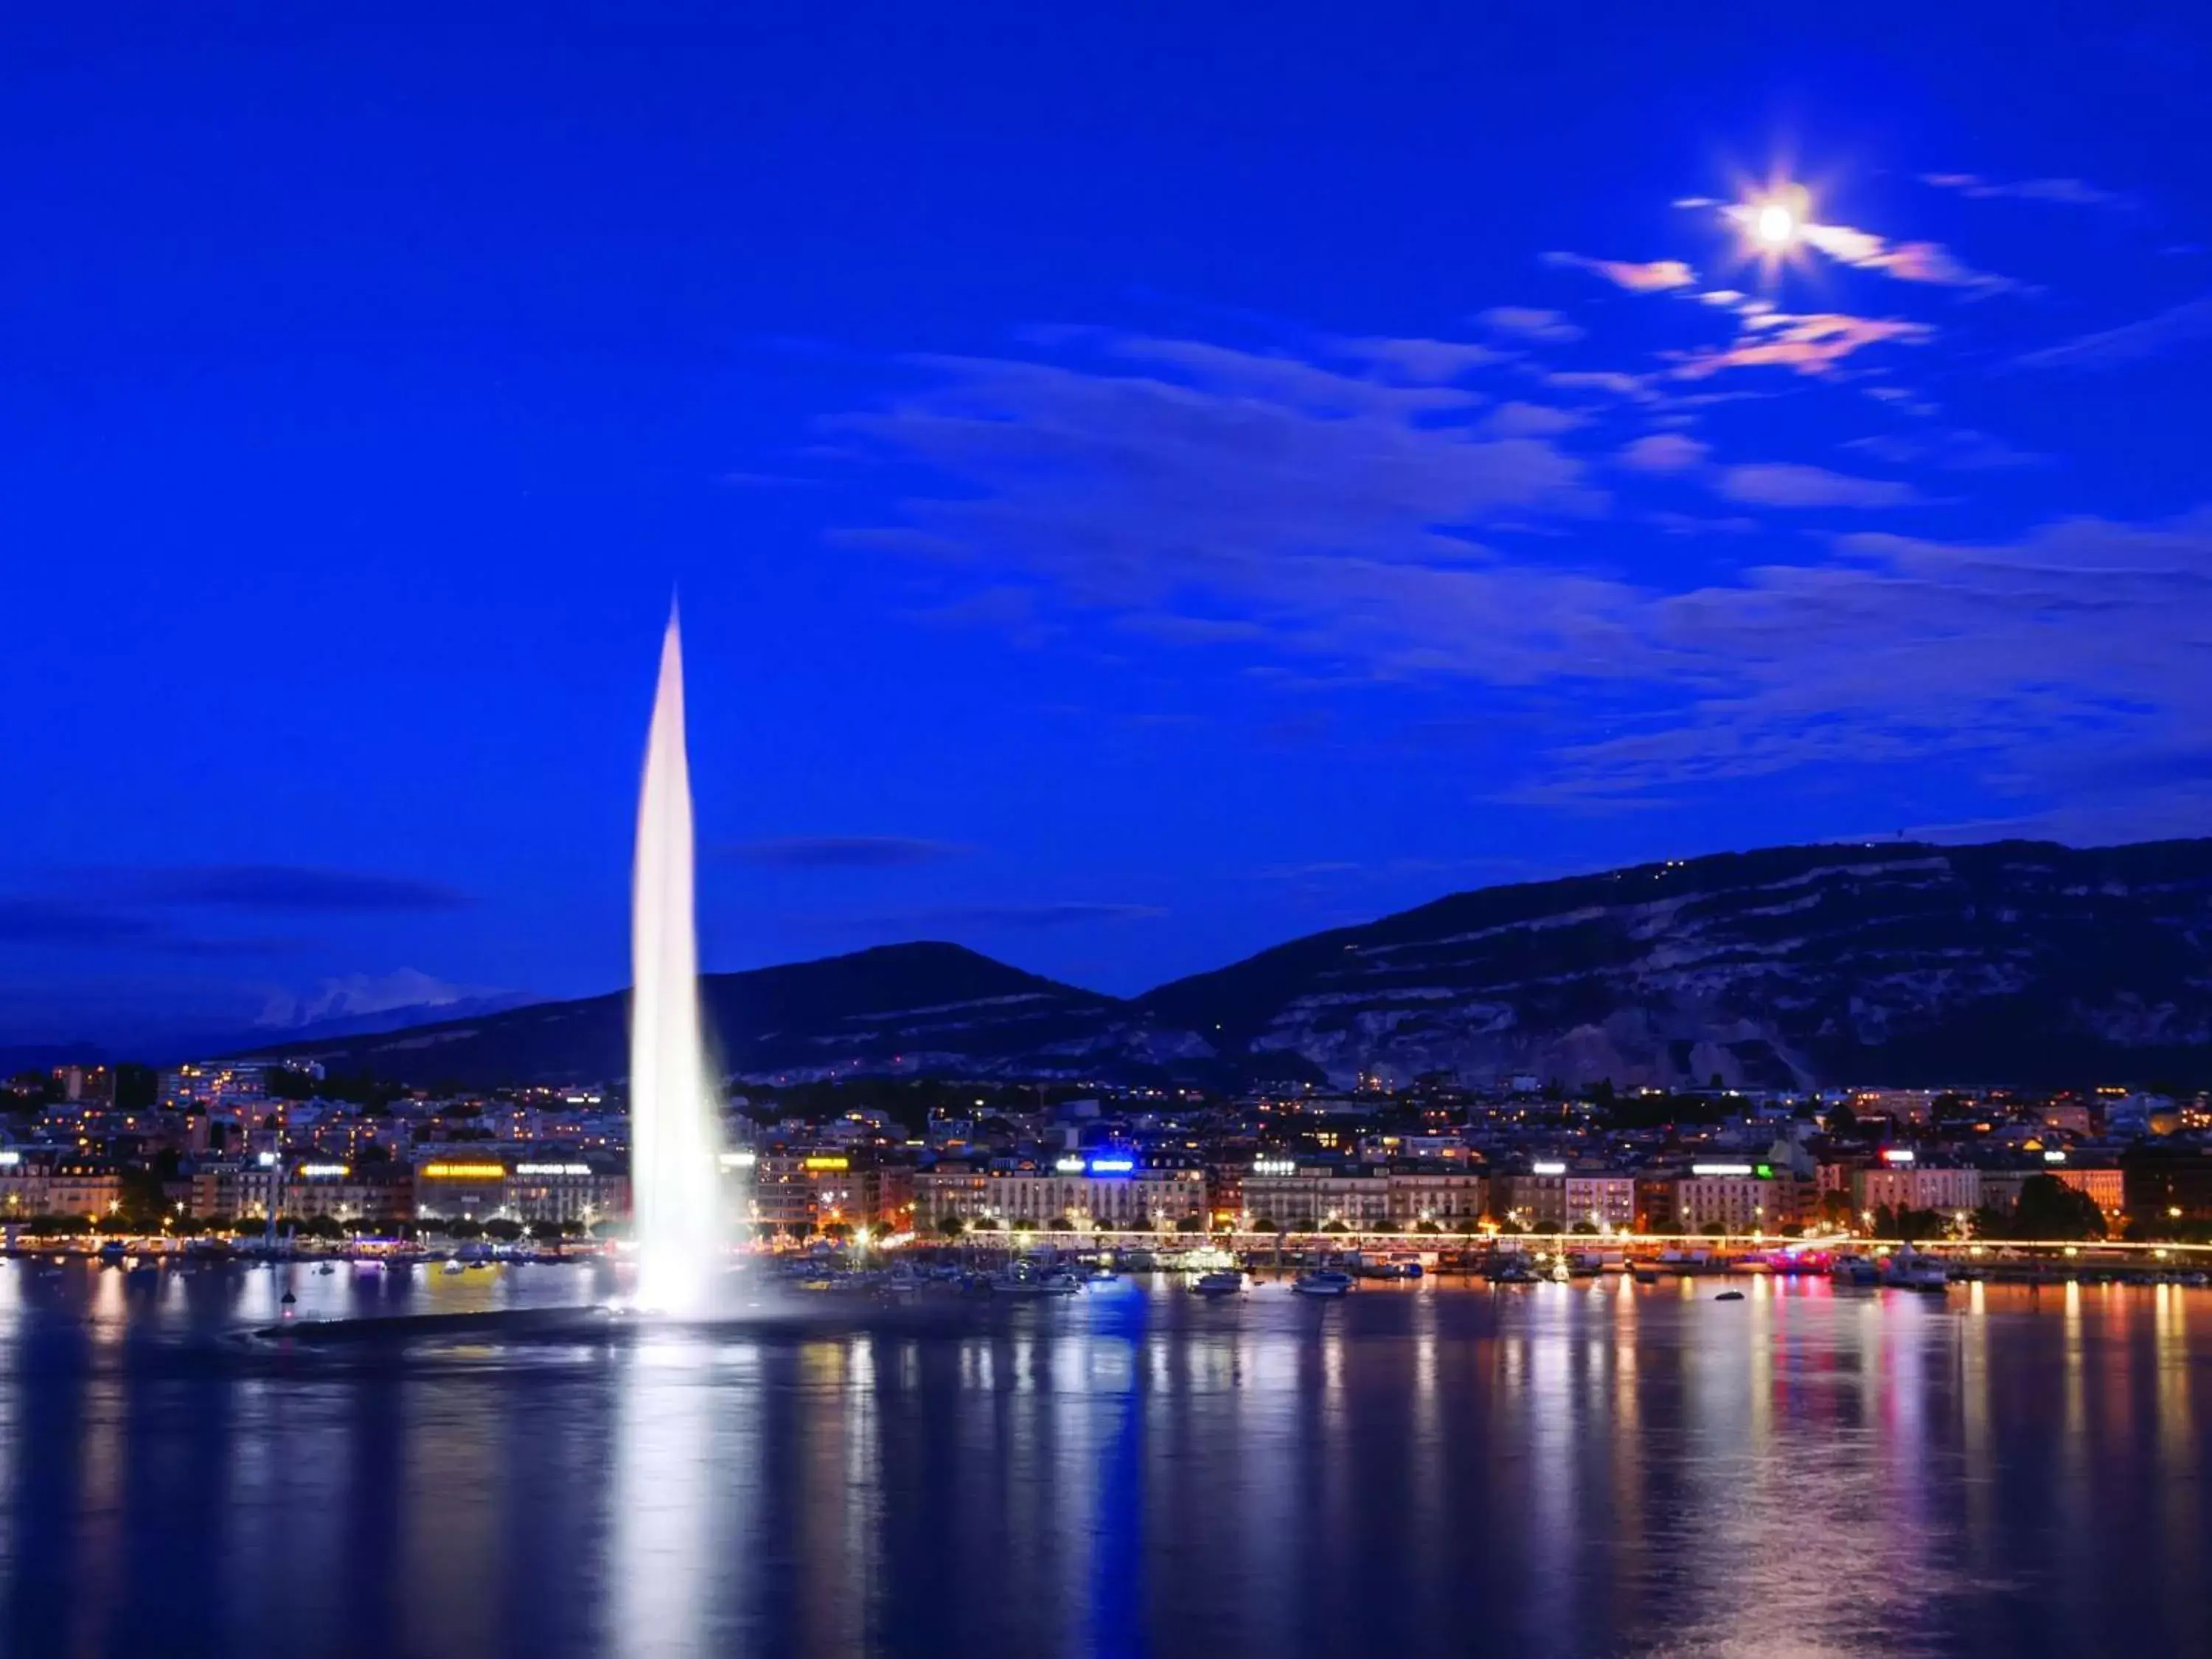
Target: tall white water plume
(675,1172)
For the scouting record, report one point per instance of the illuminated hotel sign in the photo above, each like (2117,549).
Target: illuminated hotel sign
(2054,1156)
(324,1171)
(1112,1165)
(1720,1169)
(463,1171)
(1069,1166)
(1896,1155)
(552,1169)
(1549,1167)
(1275,1166)
(10,1159)
(820,1162)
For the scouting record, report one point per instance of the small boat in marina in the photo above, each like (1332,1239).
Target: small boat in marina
(1910,1270)
(1025,1278)
(1848,1269)
(1226,1281)
(1390,1267)
(1322,1281)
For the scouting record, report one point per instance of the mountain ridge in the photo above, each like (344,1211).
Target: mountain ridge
(2011,961)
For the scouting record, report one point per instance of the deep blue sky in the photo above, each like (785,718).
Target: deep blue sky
(1144,482)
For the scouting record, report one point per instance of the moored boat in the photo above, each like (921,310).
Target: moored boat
(1223,1281)
(1322,1281)
(1025,1278)
(1908,1269)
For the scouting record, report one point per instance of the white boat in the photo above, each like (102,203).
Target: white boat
(1024,1279)
(456,1268)
(1322,1281)
(1909,1270)
(1225,1281)
(1848,1269)
(1390,1267)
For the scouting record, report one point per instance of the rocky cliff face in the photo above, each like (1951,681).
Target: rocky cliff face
(2012,963)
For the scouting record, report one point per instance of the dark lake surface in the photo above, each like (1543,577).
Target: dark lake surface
(1424,1469)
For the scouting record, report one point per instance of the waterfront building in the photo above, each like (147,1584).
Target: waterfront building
(566,1190)
(2165,1186)
(1304,1199)
(1099,1189)
(56,1181)
(1605,1202)
(1901,1181)
(804,1189)
(374,1194)
(1450,1199)
(236,1189)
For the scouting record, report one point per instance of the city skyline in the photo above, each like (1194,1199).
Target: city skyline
(1118,532)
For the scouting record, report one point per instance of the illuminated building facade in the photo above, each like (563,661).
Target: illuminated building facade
(1103,1190)
(1915,1185)
(806,1190)
(40,1183)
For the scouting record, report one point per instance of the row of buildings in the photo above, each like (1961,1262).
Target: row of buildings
(239,1142)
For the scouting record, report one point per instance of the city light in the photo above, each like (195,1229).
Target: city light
(740,1160)
(552,1169)
(463,1171)
(828,1161)
(1069,1166)
(324,1171)
(1720,1169)
(1548,1167)
(1112,1165)
(1897,1155)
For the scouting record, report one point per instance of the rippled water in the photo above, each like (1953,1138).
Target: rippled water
(1432,1469)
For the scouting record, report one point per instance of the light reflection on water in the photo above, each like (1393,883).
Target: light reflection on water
(1596,1468)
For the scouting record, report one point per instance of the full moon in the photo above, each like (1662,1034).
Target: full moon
(1774,225)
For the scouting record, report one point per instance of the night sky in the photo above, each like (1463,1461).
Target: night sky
(1144,482)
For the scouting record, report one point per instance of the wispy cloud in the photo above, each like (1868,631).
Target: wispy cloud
(1256,490)
(1420,361)
(1904,650)
(278,888)
(85,924)
(1662,452)
(1612,383)
(1812,344)
(1525,420)
(1786,483)
(2070,192)
(2182,325)
(845,851)
(1908,262)
(1531,323)
(1014,918)
(1652,276)
(1957,449)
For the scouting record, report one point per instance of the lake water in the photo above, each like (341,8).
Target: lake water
(1421,1469)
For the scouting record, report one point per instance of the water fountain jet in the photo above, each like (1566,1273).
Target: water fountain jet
(676,1182)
